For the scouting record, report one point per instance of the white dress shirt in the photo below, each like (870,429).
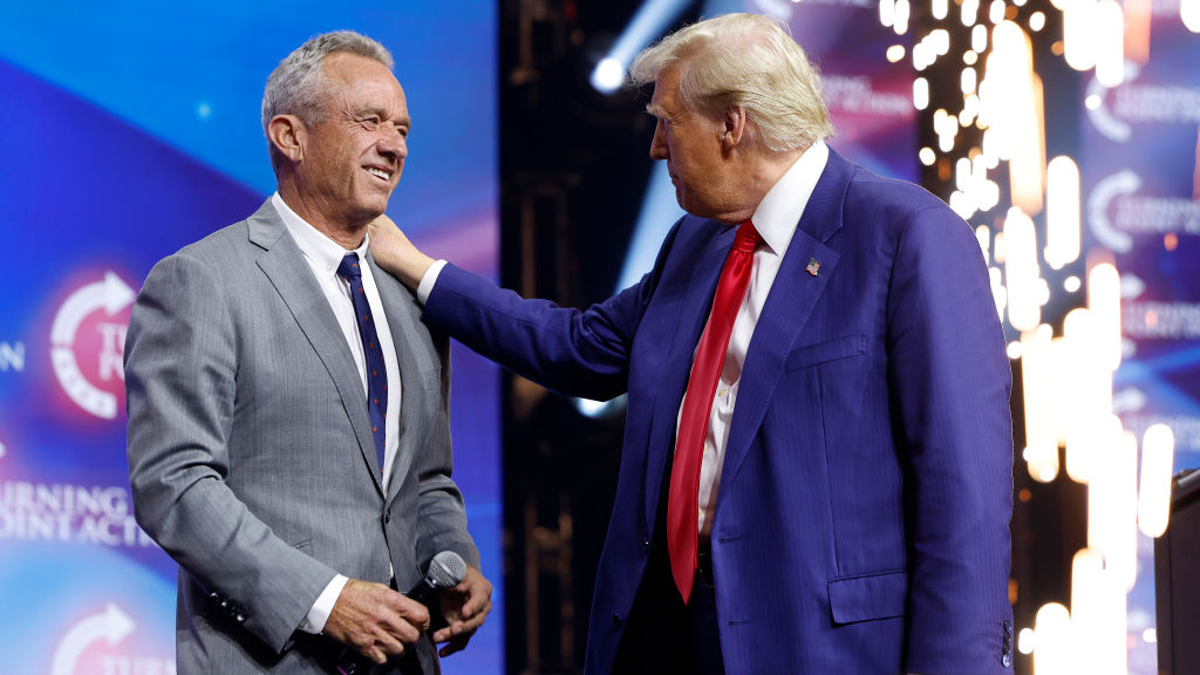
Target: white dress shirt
(776,219)
(323,256)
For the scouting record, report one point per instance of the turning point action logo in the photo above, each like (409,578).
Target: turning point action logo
(111,626)
(87,343)
(100,643)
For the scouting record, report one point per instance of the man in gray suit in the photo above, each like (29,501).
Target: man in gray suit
(289,444)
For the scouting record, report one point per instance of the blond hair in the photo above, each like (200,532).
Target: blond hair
(747,61)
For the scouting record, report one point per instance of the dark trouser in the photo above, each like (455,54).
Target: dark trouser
(663,635)
(706,638)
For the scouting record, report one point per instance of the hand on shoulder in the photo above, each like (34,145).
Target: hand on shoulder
(395,253)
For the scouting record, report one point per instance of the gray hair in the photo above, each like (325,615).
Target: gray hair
(747,61)
(297,85)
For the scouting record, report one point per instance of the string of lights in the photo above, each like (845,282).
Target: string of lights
(982,100)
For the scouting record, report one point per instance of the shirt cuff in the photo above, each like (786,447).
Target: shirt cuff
(314,622)
(428,281)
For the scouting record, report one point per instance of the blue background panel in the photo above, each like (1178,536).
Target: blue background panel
(129,131)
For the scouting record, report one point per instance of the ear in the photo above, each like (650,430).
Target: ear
(733,127)
(288,134)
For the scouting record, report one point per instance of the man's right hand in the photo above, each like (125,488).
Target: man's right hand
(396,254)
(375,620)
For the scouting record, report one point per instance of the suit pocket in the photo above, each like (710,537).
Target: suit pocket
(874,596)
(823,352)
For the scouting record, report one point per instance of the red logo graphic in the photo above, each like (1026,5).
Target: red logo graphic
(87,344)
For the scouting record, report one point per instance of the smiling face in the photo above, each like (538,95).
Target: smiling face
(690,142)
(351,161)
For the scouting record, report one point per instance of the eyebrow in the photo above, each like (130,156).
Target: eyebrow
(656,110)
(405,121)
(363,112)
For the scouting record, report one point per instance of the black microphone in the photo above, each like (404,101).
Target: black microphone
(446,570)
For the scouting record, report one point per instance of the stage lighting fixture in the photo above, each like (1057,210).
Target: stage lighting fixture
(651,21)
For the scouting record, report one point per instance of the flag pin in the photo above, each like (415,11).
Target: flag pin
(813,267)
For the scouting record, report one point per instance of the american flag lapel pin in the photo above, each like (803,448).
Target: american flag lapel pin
(813,267)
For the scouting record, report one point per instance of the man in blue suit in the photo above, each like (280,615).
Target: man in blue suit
(847,499)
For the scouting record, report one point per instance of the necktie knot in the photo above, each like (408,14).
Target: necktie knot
(747,238)
(349,267)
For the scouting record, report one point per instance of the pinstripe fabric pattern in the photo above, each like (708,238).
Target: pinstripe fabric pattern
(251,456)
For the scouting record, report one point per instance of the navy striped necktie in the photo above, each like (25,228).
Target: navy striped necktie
(372,352)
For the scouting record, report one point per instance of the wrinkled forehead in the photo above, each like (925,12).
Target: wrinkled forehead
(359,80)
(347,67)
(666,86)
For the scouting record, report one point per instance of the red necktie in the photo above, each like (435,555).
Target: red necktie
(682,503)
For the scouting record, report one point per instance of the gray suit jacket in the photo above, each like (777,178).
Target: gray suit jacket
(251,457)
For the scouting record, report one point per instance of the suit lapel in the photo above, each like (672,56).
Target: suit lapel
(284,265)
(790,303)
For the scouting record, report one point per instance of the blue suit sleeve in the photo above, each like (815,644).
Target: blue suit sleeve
(574,352)
(951,383)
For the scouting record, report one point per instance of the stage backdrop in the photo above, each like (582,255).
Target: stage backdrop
(128,132)
(1141,209)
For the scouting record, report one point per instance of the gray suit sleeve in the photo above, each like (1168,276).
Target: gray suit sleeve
(181,370)
(443,522)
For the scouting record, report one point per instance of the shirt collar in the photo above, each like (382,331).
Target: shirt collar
(324,252)
(779,212)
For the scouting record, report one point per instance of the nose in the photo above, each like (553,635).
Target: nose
(392,144)
(658,145)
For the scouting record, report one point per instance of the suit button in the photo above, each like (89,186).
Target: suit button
(617,620)
(645,544)
(387,517)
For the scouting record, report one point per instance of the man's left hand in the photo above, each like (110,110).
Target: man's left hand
(464,607)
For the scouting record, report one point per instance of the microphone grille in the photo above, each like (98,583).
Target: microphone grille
(446,569)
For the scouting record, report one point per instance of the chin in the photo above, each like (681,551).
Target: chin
(687,204)
(375,204)
(365,213)
(697,210)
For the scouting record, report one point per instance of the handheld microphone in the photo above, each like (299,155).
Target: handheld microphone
(446,570)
